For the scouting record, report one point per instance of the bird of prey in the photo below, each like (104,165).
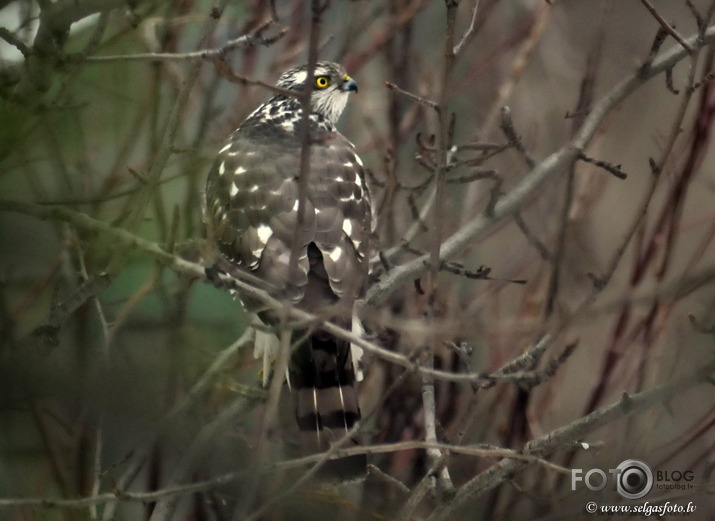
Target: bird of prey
(253,205)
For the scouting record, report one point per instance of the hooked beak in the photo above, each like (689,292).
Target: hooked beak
(349,84)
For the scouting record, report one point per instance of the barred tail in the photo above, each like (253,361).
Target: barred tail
(326,402)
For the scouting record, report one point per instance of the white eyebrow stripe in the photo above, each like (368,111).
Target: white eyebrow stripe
(300,77)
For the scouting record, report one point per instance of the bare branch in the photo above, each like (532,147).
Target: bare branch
(507,126)
(178,490)
(375,471)
(514,200)
(469,32)
(224,70)
(15,42)
(655,47)
(141,199)
(412,97)
(566,435)
(45,54)
(666,26)
(615,170)
(247,40)
(197,271)
(531,238)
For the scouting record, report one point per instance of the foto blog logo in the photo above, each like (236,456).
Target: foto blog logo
(632,479)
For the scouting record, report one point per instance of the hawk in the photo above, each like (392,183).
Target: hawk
(252,206)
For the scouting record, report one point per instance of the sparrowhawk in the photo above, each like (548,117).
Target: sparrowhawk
(252,206)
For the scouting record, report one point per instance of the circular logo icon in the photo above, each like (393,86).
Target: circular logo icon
(635,479)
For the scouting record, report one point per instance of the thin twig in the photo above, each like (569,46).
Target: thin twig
(177,490)
(522,192)
(666,26)
(142,198)
(566,435)
(187,268)
(512,462)
(469,32)
(507,126)
(16,42)
(105,353)
(225,71)
(612,169)
(654,48)
(45,55)
(375,471)
(412,97)
(164,510)
(247,40)
(531,238)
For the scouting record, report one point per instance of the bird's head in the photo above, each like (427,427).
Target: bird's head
(331,86)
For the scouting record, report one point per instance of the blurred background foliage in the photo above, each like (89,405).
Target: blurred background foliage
(82,390)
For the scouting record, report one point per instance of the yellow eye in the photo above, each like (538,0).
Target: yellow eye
(322,81)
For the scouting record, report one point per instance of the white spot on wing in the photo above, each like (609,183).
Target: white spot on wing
(254,188)
(264,233)
(240,170)
(348,164)
(226,147)
(266,346)
(356,352)
(347,227)
(233,189)
(342,406)
(335,254)
(221,169)
(315,408)
(358,160)
(296,204)
(356,244)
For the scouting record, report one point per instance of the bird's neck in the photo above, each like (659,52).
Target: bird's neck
(284,114)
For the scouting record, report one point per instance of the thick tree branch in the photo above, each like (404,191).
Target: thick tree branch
(513,461)
(248,285)
(545,445)
(522,192)
(46,52)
